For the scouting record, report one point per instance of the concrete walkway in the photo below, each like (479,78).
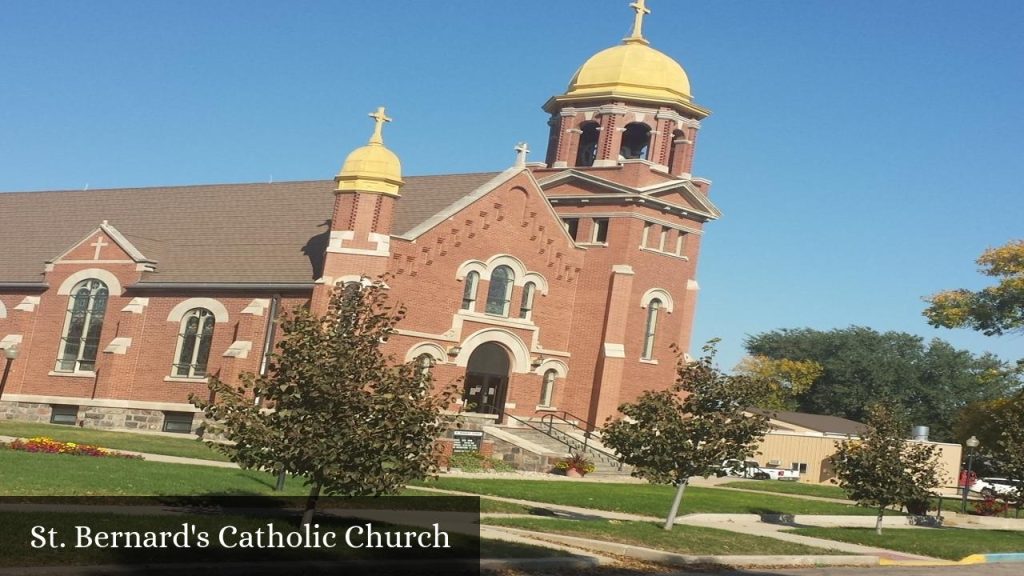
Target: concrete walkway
(750,524)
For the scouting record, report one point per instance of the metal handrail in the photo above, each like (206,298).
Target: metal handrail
(550,432)
(549,419)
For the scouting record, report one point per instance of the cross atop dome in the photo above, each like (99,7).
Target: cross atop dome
(380,118)
(637,37)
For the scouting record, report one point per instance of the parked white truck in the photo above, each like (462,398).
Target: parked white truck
(751,469)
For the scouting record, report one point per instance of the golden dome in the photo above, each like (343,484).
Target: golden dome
(631,71)
(372,168)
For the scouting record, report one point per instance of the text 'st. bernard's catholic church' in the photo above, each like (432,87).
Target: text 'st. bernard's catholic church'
(550,287)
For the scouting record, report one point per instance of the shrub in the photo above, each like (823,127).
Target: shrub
(477,462)
(989,507)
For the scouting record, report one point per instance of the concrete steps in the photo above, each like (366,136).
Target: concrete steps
(566,441)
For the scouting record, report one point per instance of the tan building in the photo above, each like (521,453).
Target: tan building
(805,442)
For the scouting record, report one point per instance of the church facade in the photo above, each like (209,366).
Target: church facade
(549,287)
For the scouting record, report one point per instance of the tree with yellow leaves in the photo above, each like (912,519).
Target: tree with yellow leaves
(787,379)
(994,310)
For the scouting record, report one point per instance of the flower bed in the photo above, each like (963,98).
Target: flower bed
(50,446)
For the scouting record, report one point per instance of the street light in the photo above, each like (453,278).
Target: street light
(972,443)
(11,352)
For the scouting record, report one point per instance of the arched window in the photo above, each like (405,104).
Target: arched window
(194,341)
(635,141)
(547,387)
(499,294)
(80,340)
(469,291)
(587,151)
(526,305)
(652,324)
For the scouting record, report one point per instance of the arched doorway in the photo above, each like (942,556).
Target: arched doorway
(487,379)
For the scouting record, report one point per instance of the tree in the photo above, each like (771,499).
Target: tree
(672,435)
(882,469)
(932,381)
(994,310)
(787,379)
(335,410)
(1008,452)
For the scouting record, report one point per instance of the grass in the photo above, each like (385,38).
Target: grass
(185,447)
(948,543)
(646,499)
(33,474)
(681,539)
(817,490)
(28,474)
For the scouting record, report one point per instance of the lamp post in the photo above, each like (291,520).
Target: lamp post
(11,352)
(972,443)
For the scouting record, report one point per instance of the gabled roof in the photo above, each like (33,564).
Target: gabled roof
(115,235)
(697,202)
(817,422)
(227,233)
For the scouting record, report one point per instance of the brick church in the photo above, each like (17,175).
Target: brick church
(550,287)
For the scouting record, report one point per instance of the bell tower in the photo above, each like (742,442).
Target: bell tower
(629,102)
(367,188)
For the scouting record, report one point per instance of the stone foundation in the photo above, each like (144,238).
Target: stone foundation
(25,412)
(103,418)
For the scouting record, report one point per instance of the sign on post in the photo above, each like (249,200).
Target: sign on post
(467,440)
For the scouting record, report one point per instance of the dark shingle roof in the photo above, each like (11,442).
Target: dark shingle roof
(260,233)
(817,422)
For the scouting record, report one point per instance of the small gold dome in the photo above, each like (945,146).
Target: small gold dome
(372,168)
(632,71)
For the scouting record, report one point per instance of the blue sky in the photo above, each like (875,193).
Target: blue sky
(864,153)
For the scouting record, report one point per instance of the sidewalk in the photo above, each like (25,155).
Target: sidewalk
(742,523)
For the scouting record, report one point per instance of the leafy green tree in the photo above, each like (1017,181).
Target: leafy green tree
(1008,451)
(882,469)
(673,435)
(334,409)
(787,379)
(994,310)
(933,382)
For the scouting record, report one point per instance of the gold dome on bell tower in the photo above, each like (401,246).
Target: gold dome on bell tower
(372,168)
(631,71)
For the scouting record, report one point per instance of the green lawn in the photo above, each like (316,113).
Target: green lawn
(186,447)
(818,490)
(32,474)
(644,499)
(949,503)
(28,474)
(948,543)
(682,539)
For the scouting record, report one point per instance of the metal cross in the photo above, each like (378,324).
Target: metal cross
(380,118)
(638,23)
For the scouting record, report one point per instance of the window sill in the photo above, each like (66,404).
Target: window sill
(497,319)
(604,244)
(72,374)
(186,380)
(542,408)
(648,361)
(663,253)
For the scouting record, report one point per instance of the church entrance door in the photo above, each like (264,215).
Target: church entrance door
(486,382)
